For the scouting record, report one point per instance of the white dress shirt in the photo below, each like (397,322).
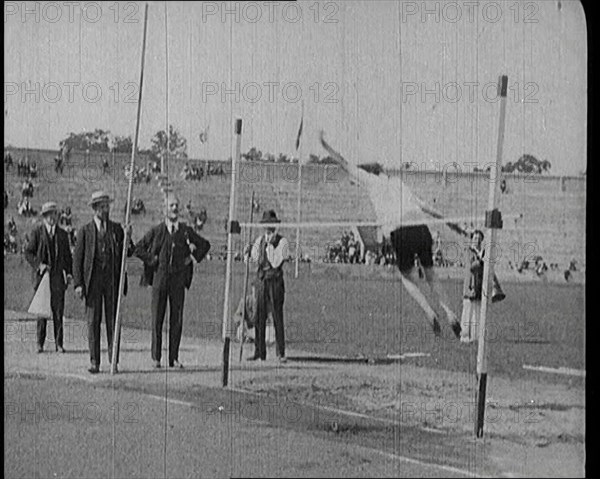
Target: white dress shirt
(99,222)
(172,226)
(275,256)
(50,229)
(393,201)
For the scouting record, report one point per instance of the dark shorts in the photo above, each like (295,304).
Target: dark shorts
(409,241)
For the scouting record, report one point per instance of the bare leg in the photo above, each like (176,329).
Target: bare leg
(417,294)
(439,294)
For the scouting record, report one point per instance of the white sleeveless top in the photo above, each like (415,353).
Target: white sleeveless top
(394,202)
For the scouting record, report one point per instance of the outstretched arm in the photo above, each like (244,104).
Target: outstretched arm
(142,249)
(351,169)
(200,246)
(431,212)
(31,249)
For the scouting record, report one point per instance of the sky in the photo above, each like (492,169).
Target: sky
(387,81)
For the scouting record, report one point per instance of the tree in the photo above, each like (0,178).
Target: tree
(283,158)
(312,158)
(528,164)
(177,147)
(97,140)
(252,155)
(122,144)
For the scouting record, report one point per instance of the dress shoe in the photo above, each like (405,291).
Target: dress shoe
(156,364)
(255,358)
(176,364)
(437,330)
(60,349)
(282,359)
(94,369)
(40,349)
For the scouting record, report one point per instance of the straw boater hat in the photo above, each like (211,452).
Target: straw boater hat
(270,217)
(49,207)
(99,197)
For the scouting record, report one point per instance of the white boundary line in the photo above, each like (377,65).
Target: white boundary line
(390,455)
(561,370)
(408,355)
(171,401)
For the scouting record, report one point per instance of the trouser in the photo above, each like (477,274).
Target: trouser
(102,291)
(269,298)
(57,304)
(174,291)
(470,320)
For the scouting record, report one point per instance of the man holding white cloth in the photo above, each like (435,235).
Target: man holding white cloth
(48,251)
(269,252)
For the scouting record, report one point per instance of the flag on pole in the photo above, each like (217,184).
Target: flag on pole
(204,135)
(299,131)
(40,304)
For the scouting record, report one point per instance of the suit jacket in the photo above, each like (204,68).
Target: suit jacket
(85,249)
(473,283)
(149,247)
(37,252)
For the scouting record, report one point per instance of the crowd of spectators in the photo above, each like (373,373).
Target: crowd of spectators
(345,250)
(140,174)
(138,207)
(196,218)
(25,168)
(196,173)
(10,237)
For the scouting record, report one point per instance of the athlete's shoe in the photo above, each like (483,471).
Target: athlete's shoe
(437,330)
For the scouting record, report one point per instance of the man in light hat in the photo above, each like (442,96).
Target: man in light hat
(167,251)
(270,250)
(48,251)
(96,270)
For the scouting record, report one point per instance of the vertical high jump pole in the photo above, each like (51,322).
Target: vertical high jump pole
(493,222)
(117,333)
(299,199)
(233,228)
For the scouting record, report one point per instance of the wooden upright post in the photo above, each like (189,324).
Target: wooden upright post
(246,276)
(233,228)
(117,332)
(493,222)
(299,198)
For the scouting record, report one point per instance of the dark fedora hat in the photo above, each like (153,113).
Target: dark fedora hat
(269,216)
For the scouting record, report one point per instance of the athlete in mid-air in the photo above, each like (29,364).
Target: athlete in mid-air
(399,213)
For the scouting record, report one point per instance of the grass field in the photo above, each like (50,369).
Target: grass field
(331,314)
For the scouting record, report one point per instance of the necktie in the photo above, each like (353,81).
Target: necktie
(52,247)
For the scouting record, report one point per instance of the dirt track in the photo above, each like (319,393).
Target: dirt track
(534,420)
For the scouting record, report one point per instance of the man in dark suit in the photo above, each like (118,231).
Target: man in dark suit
(167,251)
(48,250)
(96,270)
